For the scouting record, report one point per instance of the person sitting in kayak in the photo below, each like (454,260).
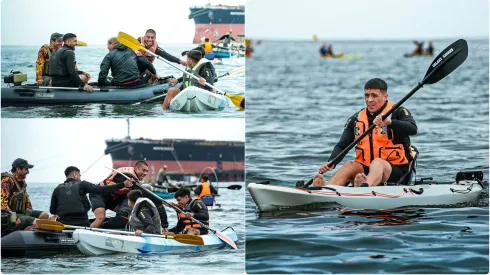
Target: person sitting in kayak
(117,200)
(430,49)
(192,208)
(329,51)
(383,155)
(150,43)
(144,216)
(15,197)
(419,48)
(43,57)
(198,66)
(208,49)
(63,67)
(323,50)
(125,66)
(227,38)
(205,188)
(69,201)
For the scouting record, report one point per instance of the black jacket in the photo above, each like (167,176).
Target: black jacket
(402,123)
(200,212)
(70,203)
(122,61)
(144,215)
(62,68)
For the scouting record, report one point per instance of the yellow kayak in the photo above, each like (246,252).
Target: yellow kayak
(344,56)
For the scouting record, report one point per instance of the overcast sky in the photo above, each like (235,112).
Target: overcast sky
(51,145)
(31,22)
(366,19)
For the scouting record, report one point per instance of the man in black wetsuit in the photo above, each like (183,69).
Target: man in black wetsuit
(383,155)
(63,66)
(69,201)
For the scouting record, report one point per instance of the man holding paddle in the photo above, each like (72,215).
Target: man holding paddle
(383,155)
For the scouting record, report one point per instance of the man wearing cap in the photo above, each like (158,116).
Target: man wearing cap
(63,66)
(15,197)
(199,67)
(162,176)
(43,57)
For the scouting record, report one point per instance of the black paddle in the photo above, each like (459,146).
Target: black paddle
(444,64)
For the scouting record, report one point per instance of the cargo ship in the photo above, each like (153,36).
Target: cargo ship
(183,157)
(215,21)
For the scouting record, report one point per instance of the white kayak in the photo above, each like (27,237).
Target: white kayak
(269,197)
(100,243)
(193,100)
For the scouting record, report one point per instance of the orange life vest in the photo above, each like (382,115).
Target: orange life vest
(208,47)
(378,144)
(129,171)
(152,49)
(189,223)
(206,189)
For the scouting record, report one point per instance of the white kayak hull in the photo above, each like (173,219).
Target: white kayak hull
(98,243)
(194,100)
(269,197)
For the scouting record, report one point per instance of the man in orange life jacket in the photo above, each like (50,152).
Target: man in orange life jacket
(192,208)
(150,43)
(384,154)
(205,188)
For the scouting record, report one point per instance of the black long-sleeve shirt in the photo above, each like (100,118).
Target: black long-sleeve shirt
(402,123)
(200,211)
(72,208)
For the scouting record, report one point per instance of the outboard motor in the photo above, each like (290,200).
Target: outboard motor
(15,77)
(7,225)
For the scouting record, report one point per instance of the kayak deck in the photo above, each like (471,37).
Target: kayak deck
(98,243)
(272,197)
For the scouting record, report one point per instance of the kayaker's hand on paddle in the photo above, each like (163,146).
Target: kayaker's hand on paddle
(380,123)
(128,184)
(189,215)
(325,168)
(168,233)
(138,232)
(138,53)
(202,81)
(88,88)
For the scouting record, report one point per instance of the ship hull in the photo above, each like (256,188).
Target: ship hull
(215,21)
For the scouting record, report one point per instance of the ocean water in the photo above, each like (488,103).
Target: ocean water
(298,104)
(23,58)
(219,261)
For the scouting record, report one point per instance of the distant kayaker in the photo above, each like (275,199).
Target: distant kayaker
(430,49)
(43,58)
(69,201)
(227,38)
(205,188)
(63,66)
(127,69)
(198,66)
(117,200)
(192,208)
(323,50)
(208,49)
(144,216)
(328,51)
(419,49)
(15,197)
(150,43)
(383,155)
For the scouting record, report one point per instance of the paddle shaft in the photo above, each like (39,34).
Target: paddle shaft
(114,231)
(67,88)
(184,71)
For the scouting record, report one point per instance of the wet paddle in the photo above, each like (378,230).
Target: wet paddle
(232,72)
(57,226)
(134,44)
(233,187)
(445,63)
(153,197)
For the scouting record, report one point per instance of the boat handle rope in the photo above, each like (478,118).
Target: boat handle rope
(419,192)
(467,189)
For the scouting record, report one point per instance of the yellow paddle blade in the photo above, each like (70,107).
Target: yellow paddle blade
(237,100)
(129,41)
(49,225)
(81,43)
(187,239)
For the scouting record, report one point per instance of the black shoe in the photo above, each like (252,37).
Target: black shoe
(364,184)
(300,184)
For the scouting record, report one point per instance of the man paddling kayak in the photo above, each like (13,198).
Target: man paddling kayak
(383,155)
